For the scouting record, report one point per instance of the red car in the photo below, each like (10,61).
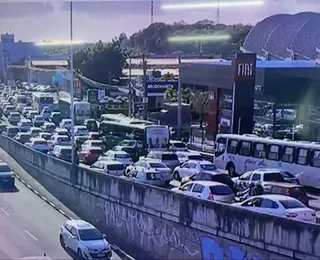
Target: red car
(88,155)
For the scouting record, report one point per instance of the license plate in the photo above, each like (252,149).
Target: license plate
(101,255)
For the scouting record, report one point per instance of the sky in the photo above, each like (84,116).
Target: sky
(103,20)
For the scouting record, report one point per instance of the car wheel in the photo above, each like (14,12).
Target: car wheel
(176,176)
(79,254)
(62,241)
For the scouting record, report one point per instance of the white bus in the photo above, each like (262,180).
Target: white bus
(82,111)
(41,100)
(240,153)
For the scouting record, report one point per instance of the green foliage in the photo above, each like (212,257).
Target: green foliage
(95,62)
(154,38)
(199,102)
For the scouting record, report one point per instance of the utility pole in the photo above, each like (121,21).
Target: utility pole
(71,85)
(130,91)
(145,93)
(179,101)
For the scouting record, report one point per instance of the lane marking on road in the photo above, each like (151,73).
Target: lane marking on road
(32,236)
(5,212)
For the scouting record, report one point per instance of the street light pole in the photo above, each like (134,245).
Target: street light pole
(130,91)
(71,85)
(145,92)
(179,101)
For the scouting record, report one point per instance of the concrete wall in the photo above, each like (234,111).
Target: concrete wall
(166,225)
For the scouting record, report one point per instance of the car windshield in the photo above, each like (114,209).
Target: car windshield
(287,175)
(273,177)
(40,142)
(4,168)
(220,190)
(169,157)
(13,130)
(157,165)
(154,176)
(39,118)
(63,139)
(208,167)
(122,156)
(90,234)
(291,204)
(115,167)
(195,157)
(179,145)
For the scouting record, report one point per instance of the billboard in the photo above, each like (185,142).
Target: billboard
(93,96)
(161,86)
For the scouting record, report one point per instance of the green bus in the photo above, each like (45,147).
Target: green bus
(152,137)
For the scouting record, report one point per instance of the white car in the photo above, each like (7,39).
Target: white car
(35,131)
(14,118)
(120,156)
(20,107)
(150,164)
(85,240)
(26,110)
(61,131)
(66,123)
(191,167)
(38,144)
(186,156)
(177,146)
(38,120)
(110,167)
(58,140)
(263,175)
(80,130)
(209,190)
(24,125)
(279,205)
(48,127)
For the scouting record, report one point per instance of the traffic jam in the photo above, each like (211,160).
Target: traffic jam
(142,151)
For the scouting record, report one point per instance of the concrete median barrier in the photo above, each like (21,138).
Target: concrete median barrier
(163,224)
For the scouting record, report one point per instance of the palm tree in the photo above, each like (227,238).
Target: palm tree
(186,94)
(199,101)
(170,94)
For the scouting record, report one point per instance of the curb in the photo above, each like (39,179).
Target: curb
(115,248)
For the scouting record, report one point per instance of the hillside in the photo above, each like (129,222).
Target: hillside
(154,38)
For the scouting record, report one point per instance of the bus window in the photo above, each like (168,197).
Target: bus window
(220,146)
(259,150)
(245,148)
(232,146)
(302,157)
(316,159)
(288,154)
(274,151)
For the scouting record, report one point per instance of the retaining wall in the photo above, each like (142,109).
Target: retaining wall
(166,225)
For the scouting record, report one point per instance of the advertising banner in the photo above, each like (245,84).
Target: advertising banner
(161,86)
(157,137)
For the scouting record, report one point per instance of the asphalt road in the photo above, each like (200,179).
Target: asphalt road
(29,226)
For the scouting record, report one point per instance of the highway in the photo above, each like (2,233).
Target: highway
(29,226)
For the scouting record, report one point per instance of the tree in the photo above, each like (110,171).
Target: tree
(170,95)
(97,61)
(199,103)
(186,94)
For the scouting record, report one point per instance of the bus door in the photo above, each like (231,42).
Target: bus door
(220,153)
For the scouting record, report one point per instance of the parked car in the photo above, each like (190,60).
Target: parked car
(55,118)
(8,109)
(35,131)
(31,114)
(110,167)
(209,190)
(279,205)
(80,130)
(46,113)
(96,143)
(44,135)
(38,144)
(26,110)
(186,156)
(22,137)
(85,240)
(20,107)
(177,146)
(88,155)
(61,131)
(48,127)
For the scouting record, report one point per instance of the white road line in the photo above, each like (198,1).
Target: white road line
(5,212)
(32,236)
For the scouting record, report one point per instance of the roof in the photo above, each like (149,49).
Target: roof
(110,162)
(208,183)
(275,197)
(282,35)
(79,224)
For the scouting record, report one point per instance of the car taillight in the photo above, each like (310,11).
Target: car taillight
(291,215)
(211,197)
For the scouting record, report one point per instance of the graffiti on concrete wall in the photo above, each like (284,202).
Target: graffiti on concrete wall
(168,240)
